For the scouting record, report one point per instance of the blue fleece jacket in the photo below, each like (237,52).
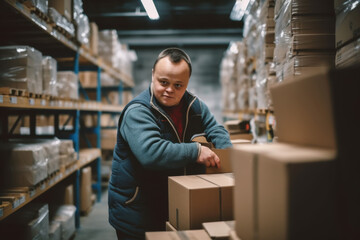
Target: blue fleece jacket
(148,150)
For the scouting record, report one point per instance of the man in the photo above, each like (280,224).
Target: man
(154,141)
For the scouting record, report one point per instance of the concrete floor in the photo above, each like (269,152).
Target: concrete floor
(96,226)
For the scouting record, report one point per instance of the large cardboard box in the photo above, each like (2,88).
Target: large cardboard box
(219,230)
(277,186)
(225,182)
(244,160)
(347,25)
(192,201)
(303,111)
(189,235)
(85,190)
(296,194)
(64,7)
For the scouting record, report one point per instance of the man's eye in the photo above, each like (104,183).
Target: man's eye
(163,83)
(178,85)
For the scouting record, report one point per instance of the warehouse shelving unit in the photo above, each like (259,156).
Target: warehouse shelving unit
(23,26)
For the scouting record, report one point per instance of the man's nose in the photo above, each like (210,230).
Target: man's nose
(170,89)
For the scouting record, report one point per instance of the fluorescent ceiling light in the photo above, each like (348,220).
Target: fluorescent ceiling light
(239,9)
(150,9)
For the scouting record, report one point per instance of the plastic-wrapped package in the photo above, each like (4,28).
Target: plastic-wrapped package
(67,85)
(29,223)
(348,55)
(49,70)
(77,9)
(252,98)
(23,165)
(20,67)
(42,5)
(51,151)
(347,25)
(66,147)
(54,231)
(83,29)
(108,47)
(65,215)
(61,21)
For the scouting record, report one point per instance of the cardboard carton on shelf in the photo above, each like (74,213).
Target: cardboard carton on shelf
(64,7)
(85,190)
(347,25)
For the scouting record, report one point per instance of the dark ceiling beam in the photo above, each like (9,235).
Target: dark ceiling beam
(179,37)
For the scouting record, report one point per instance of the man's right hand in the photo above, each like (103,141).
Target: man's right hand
(208,158)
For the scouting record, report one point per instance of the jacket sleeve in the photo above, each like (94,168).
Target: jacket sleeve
(140,131)
(215,132)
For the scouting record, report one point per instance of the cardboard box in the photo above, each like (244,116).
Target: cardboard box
(64,7)
(88,79)
(295,194)
(347,26)
(225,165)
(192,201)
(219,230)
(108,138)
(348,55)
(265,208)
(303,111)
(94,38)
(244,159)
(169,227)
(85,190)
(189,235)
(225,182)
(69,195)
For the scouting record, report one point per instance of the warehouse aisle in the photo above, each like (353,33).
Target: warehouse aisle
(95,226)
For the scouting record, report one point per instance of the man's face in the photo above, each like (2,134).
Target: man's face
(170,81)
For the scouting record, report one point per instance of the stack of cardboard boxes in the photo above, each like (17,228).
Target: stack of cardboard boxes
(293,189)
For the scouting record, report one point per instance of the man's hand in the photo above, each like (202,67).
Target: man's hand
(208,158)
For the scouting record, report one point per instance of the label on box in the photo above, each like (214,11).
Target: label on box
(21,200)
(1,212)
(42,186)
(15,204)
(52,181)
(32,101)
(13,100)
(32,192)
(43,102)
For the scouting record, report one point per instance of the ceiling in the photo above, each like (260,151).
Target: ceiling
(195,22)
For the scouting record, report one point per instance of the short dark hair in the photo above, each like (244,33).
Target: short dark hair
(175,55)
